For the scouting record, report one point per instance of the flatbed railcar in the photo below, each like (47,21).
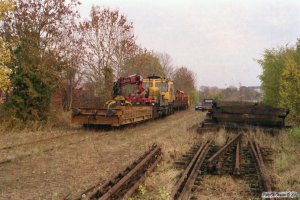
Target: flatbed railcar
(155,98)
(117,116)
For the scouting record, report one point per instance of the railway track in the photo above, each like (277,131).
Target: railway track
(243,162)
(36,141)
(184,185)
(261,168)
(29,154)
(125,183)
(61,139)
(54,138)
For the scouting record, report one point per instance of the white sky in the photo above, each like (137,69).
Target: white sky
(218,39)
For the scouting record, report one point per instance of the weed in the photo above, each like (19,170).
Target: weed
(164,193)
(142,190)
(283,161)
(295,133)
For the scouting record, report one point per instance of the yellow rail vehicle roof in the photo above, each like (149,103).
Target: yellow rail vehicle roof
(160,87)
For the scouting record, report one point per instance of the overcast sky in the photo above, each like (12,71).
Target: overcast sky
(217,39)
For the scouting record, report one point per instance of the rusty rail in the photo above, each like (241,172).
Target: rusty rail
(237,158)
(266,181)
(183,185)
(212,162)
(124,184)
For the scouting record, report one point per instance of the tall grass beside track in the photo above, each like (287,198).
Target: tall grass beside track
(56,120)
(295,133)
(284,169)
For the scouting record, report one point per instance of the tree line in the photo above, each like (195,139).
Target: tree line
(281,78)
(231,93)
(46,46)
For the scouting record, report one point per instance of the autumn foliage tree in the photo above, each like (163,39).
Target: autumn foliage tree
(44,46)
(109,42)
(39,26)
(281,78)
(290,84)
(145,64)
(272,65)
(73,53)
(185,80)
(5,53)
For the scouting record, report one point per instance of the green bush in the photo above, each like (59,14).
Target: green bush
(281,79)
(295,133)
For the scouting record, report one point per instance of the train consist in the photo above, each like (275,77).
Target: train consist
(135,99)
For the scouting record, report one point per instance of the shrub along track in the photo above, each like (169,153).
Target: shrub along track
(244,162)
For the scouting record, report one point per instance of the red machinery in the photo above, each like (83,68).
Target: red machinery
(180,95)
(181,101)
(137,97)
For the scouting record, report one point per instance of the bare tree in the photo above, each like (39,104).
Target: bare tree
(109,42)
(166,63)
(74,70)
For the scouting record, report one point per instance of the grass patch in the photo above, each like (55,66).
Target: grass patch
(56,120)
(295,133)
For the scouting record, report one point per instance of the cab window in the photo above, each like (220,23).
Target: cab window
(158,84)
(145,85)
(164,87)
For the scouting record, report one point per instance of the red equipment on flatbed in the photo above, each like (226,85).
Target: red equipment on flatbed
(134,104)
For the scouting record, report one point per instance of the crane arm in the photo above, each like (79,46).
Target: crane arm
(122,81)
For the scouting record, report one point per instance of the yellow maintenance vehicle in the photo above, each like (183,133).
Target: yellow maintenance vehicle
(134,100)
(161,93)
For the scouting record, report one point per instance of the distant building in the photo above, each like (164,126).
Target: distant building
(256,88)
(251,93)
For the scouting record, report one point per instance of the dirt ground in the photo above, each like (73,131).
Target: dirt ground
(53,164)
(75,159)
